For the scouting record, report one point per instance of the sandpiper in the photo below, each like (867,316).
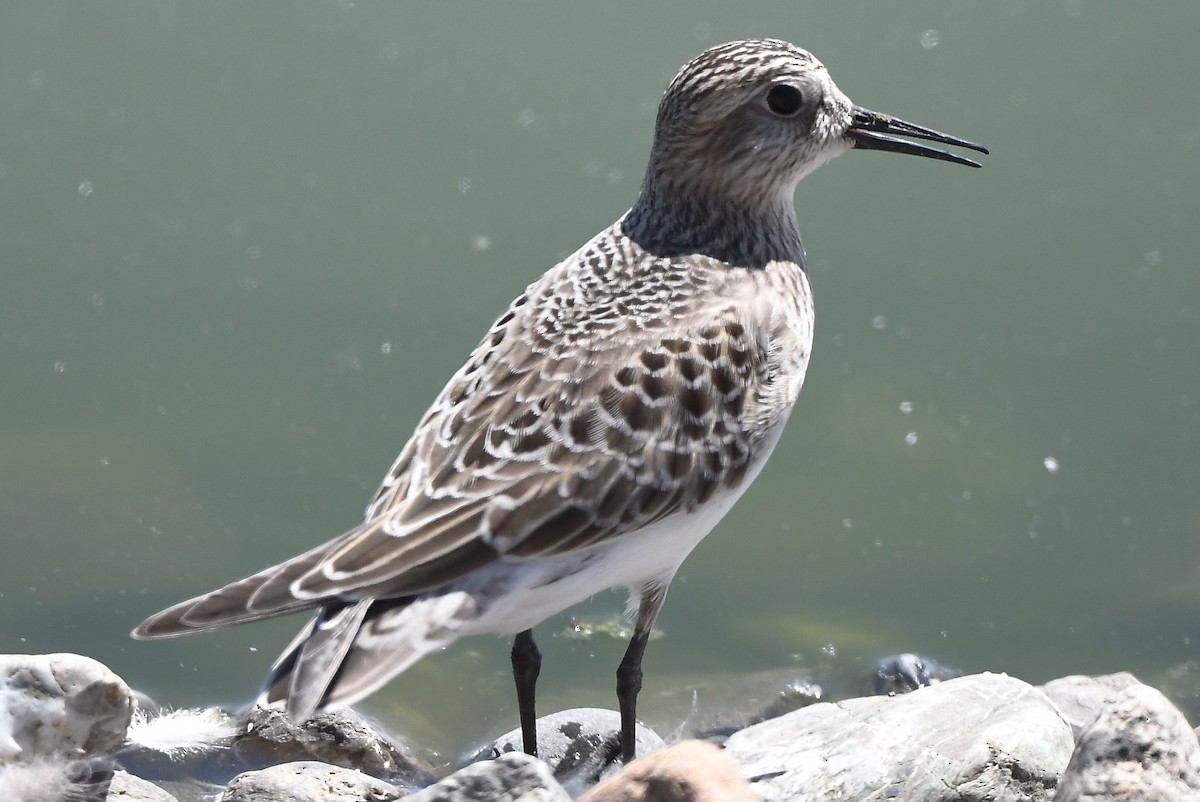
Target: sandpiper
(609,418)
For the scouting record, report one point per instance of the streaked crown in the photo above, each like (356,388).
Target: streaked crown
(748,118)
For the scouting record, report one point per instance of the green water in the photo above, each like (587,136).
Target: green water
(242,246)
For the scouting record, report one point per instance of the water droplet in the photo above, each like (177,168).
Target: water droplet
(1154,257)
(615,176)
(481,243)
(391,51)
(526,118)
(385,349)
(847,523)
(911,438)
(829,650)
(97,300)
(966,494)
(59,367)
(930,39)
(86,189)
(253,252)
(906,407)
(104,461)
(1051,464)
(464,185)
(879,322)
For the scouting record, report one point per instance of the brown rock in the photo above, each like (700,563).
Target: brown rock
(692,771)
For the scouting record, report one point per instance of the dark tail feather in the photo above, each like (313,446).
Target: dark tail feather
(306,672)
(349,651)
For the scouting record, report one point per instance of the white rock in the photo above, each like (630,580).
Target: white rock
(975,738)
(308,781)
(60,704)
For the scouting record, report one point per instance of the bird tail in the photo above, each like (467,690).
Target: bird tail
(263,595)
(349,651)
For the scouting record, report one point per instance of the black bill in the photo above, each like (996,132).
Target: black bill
(870,131)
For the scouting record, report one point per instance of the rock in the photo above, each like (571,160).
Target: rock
(339,737)
(1080,699)
(1138,749)
(125,787)
(982,737)
(512,777)
(692,771)
(308,781)
(60,704)
(580,745)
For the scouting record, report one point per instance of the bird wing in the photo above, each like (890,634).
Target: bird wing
(534,450)
(546,442)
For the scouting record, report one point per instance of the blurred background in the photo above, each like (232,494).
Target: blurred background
(242,247)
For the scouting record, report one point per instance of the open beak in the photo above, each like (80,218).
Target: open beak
(869,131)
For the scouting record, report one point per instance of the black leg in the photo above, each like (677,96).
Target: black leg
(526,664)
(629,673)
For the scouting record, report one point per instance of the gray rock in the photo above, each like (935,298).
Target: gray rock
(308,781)
(339,737)
(1139,748)
(60,704)
(982,737)
(580,745)
(1080,699)
(512,777)
(127,788)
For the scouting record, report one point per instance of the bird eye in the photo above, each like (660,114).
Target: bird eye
(784,99)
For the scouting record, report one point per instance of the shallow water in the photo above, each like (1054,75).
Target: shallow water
(243,246)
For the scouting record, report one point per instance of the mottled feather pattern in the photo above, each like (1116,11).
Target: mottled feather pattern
(570,425)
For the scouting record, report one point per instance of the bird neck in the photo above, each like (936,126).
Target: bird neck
(672,221)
